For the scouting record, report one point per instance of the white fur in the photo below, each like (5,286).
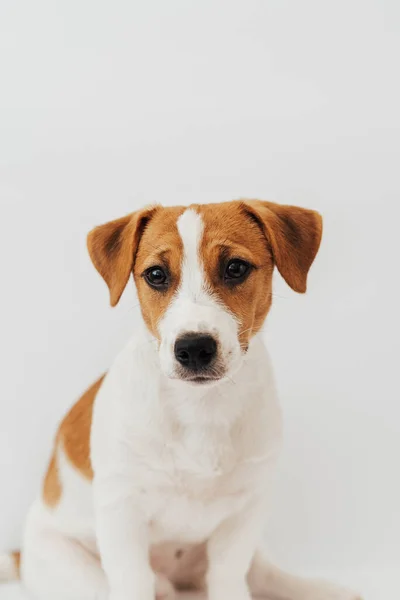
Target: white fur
(173,463)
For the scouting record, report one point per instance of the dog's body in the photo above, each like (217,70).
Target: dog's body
(162,469)
(187,478)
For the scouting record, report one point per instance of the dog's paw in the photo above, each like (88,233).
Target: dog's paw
(164,588)
(329,591)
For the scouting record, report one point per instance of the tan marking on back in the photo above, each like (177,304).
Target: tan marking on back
(74,434)
(73,437)
(52,485)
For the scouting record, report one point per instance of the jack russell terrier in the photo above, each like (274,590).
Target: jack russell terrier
(160,473)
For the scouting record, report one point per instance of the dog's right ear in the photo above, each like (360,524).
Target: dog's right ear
(113,246)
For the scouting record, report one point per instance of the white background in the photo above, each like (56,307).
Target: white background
(106,106)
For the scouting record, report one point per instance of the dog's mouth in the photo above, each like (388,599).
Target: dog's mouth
(201,380)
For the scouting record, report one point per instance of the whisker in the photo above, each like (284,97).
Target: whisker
(245,331)
(251,329)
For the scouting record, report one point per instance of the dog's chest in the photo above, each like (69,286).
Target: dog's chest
(191,485)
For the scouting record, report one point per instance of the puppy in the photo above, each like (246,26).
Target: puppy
(159,477)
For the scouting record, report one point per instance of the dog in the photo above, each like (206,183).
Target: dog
(161,472)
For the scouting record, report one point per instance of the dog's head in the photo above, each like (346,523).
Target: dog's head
(204,275)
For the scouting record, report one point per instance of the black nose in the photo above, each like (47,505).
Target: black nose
(195,351)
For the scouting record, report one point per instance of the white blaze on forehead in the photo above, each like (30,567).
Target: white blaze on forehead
(194,307)
(190,227)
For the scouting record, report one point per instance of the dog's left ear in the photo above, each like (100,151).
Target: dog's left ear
(294,235)
(113,246)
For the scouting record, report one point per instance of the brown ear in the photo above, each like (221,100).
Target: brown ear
(294,235)
(112,248)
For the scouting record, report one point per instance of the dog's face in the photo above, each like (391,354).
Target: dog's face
(204,275)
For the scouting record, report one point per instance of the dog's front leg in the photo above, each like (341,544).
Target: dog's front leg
(230,550)
(122,535)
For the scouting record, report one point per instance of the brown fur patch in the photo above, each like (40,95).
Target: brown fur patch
(16,556)
(263,234)
(294,235)
(160,245)
(229,233)
(144,239)
(74,433)
(52,485)
(73,437)
(112,248)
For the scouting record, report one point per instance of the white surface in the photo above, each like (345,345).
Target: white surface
(107,106)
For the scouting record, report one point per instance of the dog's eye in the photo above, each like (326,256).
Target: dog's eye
(236,269)
(156,277)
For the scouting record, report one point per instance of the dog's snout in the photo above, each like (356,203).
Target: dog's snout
(194,351)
